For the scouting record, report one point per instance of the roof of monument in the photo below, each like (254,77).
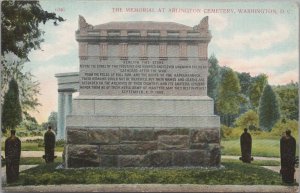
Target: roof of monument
(142,25)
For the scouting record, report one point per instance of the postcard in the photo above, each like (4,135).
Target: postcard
(150,96)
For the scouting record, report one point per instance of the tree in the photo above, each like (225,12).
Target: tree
(256,89)
(29,122)
(269,112)
(281,126)
(229,97)
(20,33)
(213,77)
(28,88)
(20,30)
(11,112)
(245,82)
(288,100)
(248,120)
(52,120)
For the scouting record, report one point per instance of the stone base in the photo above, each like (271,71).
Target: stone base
(142,147)
(142,132)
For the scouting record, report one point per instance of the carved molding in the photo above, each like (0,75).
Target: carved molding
(203,26)
(83,25)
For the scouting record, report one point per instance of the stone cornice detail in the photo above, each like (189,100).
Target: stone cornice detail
(140,31)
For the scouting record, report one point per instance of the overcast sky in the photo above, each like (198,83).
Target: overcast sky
(243,38)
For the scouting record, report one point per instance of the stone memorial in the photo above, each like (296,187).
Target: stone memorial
(142,97)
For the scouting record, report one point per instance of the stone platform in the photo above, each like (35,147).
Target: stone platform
(142,147)
(181,133)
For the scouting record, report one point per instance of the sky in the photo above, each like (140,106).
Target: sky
(249,36)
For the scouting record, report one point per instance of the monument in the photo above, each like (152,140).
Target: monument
(142,97)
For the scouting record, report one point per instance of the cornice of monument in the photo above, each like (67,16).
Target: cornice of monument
(143,31)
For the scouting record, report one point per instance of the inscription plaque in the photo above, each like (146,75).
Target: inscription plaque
(152,77)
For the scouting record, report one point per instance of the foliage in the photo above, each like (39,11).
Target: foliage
(225,131)
(58,143)
(229,97)
(36,146)
(20,26)
(213,77)
(11,112)
(20,33)
(28,88)
(245,82)
(52,120)
(38,140)
(282,126)
(257,85)
(30,125)
(232,173)
(260,147)
(269,112)
(248,120)
(289,100)
(231,133)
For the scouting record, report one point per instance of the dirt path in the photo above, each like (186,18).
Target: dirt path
(37,154)
(254,157)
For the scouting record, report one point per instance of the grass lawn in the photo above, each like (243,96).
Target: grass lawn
(29,146)
(234,172)
(36,160)
(260,147)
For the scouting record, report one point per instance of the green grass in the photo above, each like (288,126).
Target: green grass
(36,160)
(260,147)
(233,173)
(29,146)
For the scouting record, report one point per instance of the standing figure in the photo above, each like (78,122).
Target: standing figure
(12,157)
(49,140)
(287,157)
(246,146)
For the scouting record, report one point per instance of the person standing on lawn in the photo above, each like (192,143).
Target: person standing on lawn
(287,157)
(12,157)
(246,146)
(49,141)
